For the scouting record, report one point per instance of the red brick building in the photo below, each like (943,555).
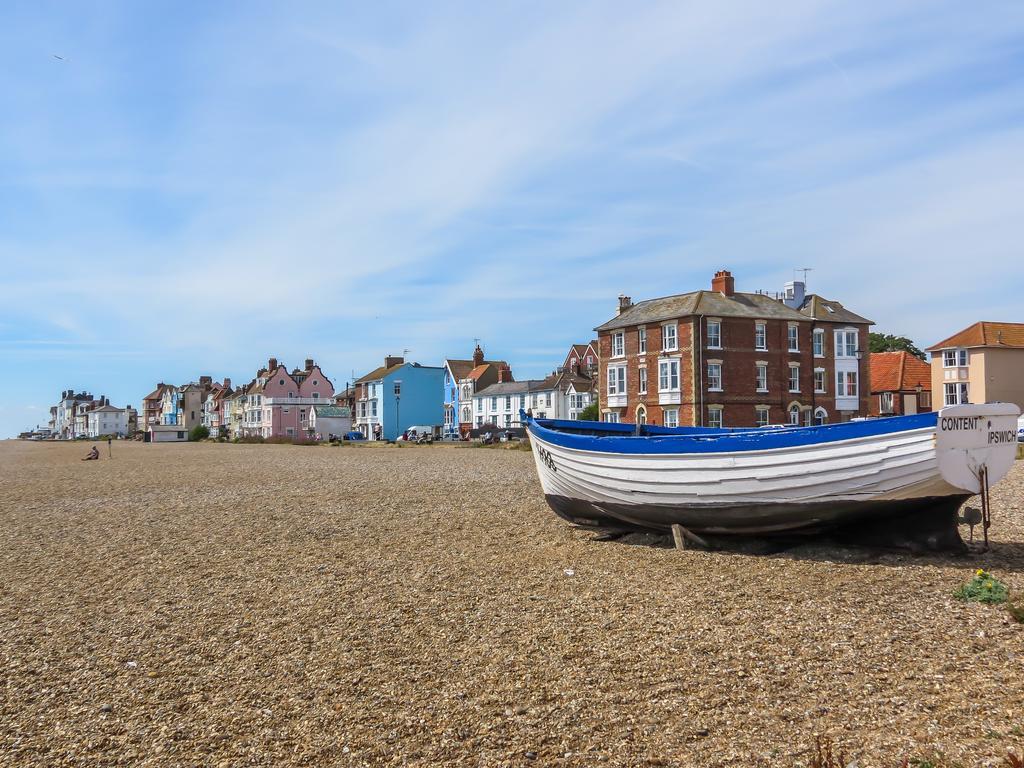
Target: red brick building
(722,358)
(901,384)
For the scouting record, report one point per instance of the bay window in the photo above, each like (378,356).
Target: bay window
(668,375)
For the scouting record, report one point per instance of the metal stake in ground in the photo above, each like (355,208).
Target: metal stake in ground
(110,451)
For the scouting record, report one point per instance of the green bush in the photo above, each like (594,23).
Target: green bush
(591,413)
(983,588)
(198,432)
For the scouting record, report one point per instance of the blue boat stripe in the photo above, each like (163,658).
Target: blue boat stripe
(604,437)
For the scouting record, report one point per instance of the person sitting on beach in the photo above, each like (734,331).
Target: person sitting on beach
(92,455)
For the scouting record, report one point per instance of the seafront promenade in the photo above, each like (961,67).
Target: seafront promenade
(283,605)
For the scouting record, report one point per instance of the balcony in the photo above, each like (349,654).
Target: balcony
(669,398)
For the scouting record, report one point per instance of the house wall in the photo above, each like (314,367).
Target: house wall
(738,398)
(1001,375)
(421,401)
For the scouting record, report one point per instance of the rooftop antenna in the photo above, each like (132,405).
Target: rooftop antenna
(405,353)
(805,270)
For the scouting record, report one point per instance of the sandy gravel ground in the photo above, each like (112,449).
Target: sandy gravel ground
(233,605)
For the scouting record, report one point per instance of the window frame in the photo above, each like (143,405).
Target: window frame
(793,338)
(712,376)
(794,367)
(616,374)
(664,337)
(818,342)
(674,412)
(619,344)
(719,417)
(716,342)
(761,377)
(669,364)
(761,336)
(641,340)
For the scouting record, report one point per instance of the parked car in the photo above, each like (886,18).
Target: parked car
(419,434)
(355,434)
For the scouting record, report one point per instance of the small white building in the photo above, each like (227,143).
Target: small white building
(327,420)
(106,420)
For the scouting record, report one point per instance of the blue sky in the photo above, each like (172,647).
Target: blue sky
(196,187)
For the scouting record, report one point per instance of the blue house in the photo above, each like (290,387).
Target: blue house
(399,395)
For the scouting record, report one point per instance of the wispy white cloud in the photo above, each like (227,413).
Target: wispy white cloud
(361,181)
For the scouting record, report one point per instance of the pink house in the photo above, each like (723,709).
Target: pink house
(287,399)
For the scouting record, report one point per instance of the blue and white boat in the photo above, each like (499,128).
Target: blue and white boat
(901,478)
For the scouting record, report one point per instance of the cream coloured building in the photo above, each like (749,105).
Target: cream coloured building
(984,363)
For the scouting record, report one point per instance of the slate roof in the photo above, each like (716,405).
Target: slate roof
(820,308)
(899,372)
(460,368)
(985,334)
(331,411)
(378,373)
(156,394)
(713,303)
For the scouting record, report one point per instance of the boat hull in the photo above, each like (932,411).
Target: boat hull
(883,481)
(925,523)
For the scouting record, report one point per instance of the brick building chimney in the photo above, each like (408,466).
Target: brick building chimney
(309,363)
(723,282)
(227,383)
(393,360)
(206,382)
(504,373)
(478,356)
(625,302)
(272,364)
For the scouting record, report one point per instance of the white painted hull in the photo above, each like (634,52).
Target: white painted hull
(898,466)
(712,481)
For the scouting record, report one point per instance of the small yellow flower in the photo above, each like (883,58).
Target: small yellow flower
(980,572)
(988,585)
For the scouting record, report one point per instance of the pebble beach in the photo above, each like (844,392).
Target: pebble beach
(209,604)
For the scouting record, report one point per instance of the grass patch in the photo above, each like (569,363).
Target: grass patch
(983,588)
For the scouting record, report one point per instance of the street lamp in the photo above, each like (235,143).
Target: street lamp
(398,399)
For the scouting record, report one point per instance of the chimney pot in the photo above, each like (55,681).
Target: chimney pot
(309,363)
(227,383)
(478,356)
(272,364)
(625,302)
(723,282)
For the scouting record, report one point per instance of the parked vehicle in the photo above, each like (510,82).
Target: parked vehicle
(1020,430)
(355,434)
(420,434)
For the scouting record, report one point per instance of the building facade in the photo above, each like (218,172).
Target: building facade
(63,414)
(398,395)
(984,363)
(901,384)
(722,358)
(462,380)
(106,420)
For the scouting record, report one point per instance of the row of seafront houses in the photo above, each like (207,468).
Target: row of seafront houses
(302,404)
(714,357)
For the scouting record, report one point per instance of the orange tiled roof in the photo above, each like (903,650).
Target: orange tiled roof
(985,334)
(899,372)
